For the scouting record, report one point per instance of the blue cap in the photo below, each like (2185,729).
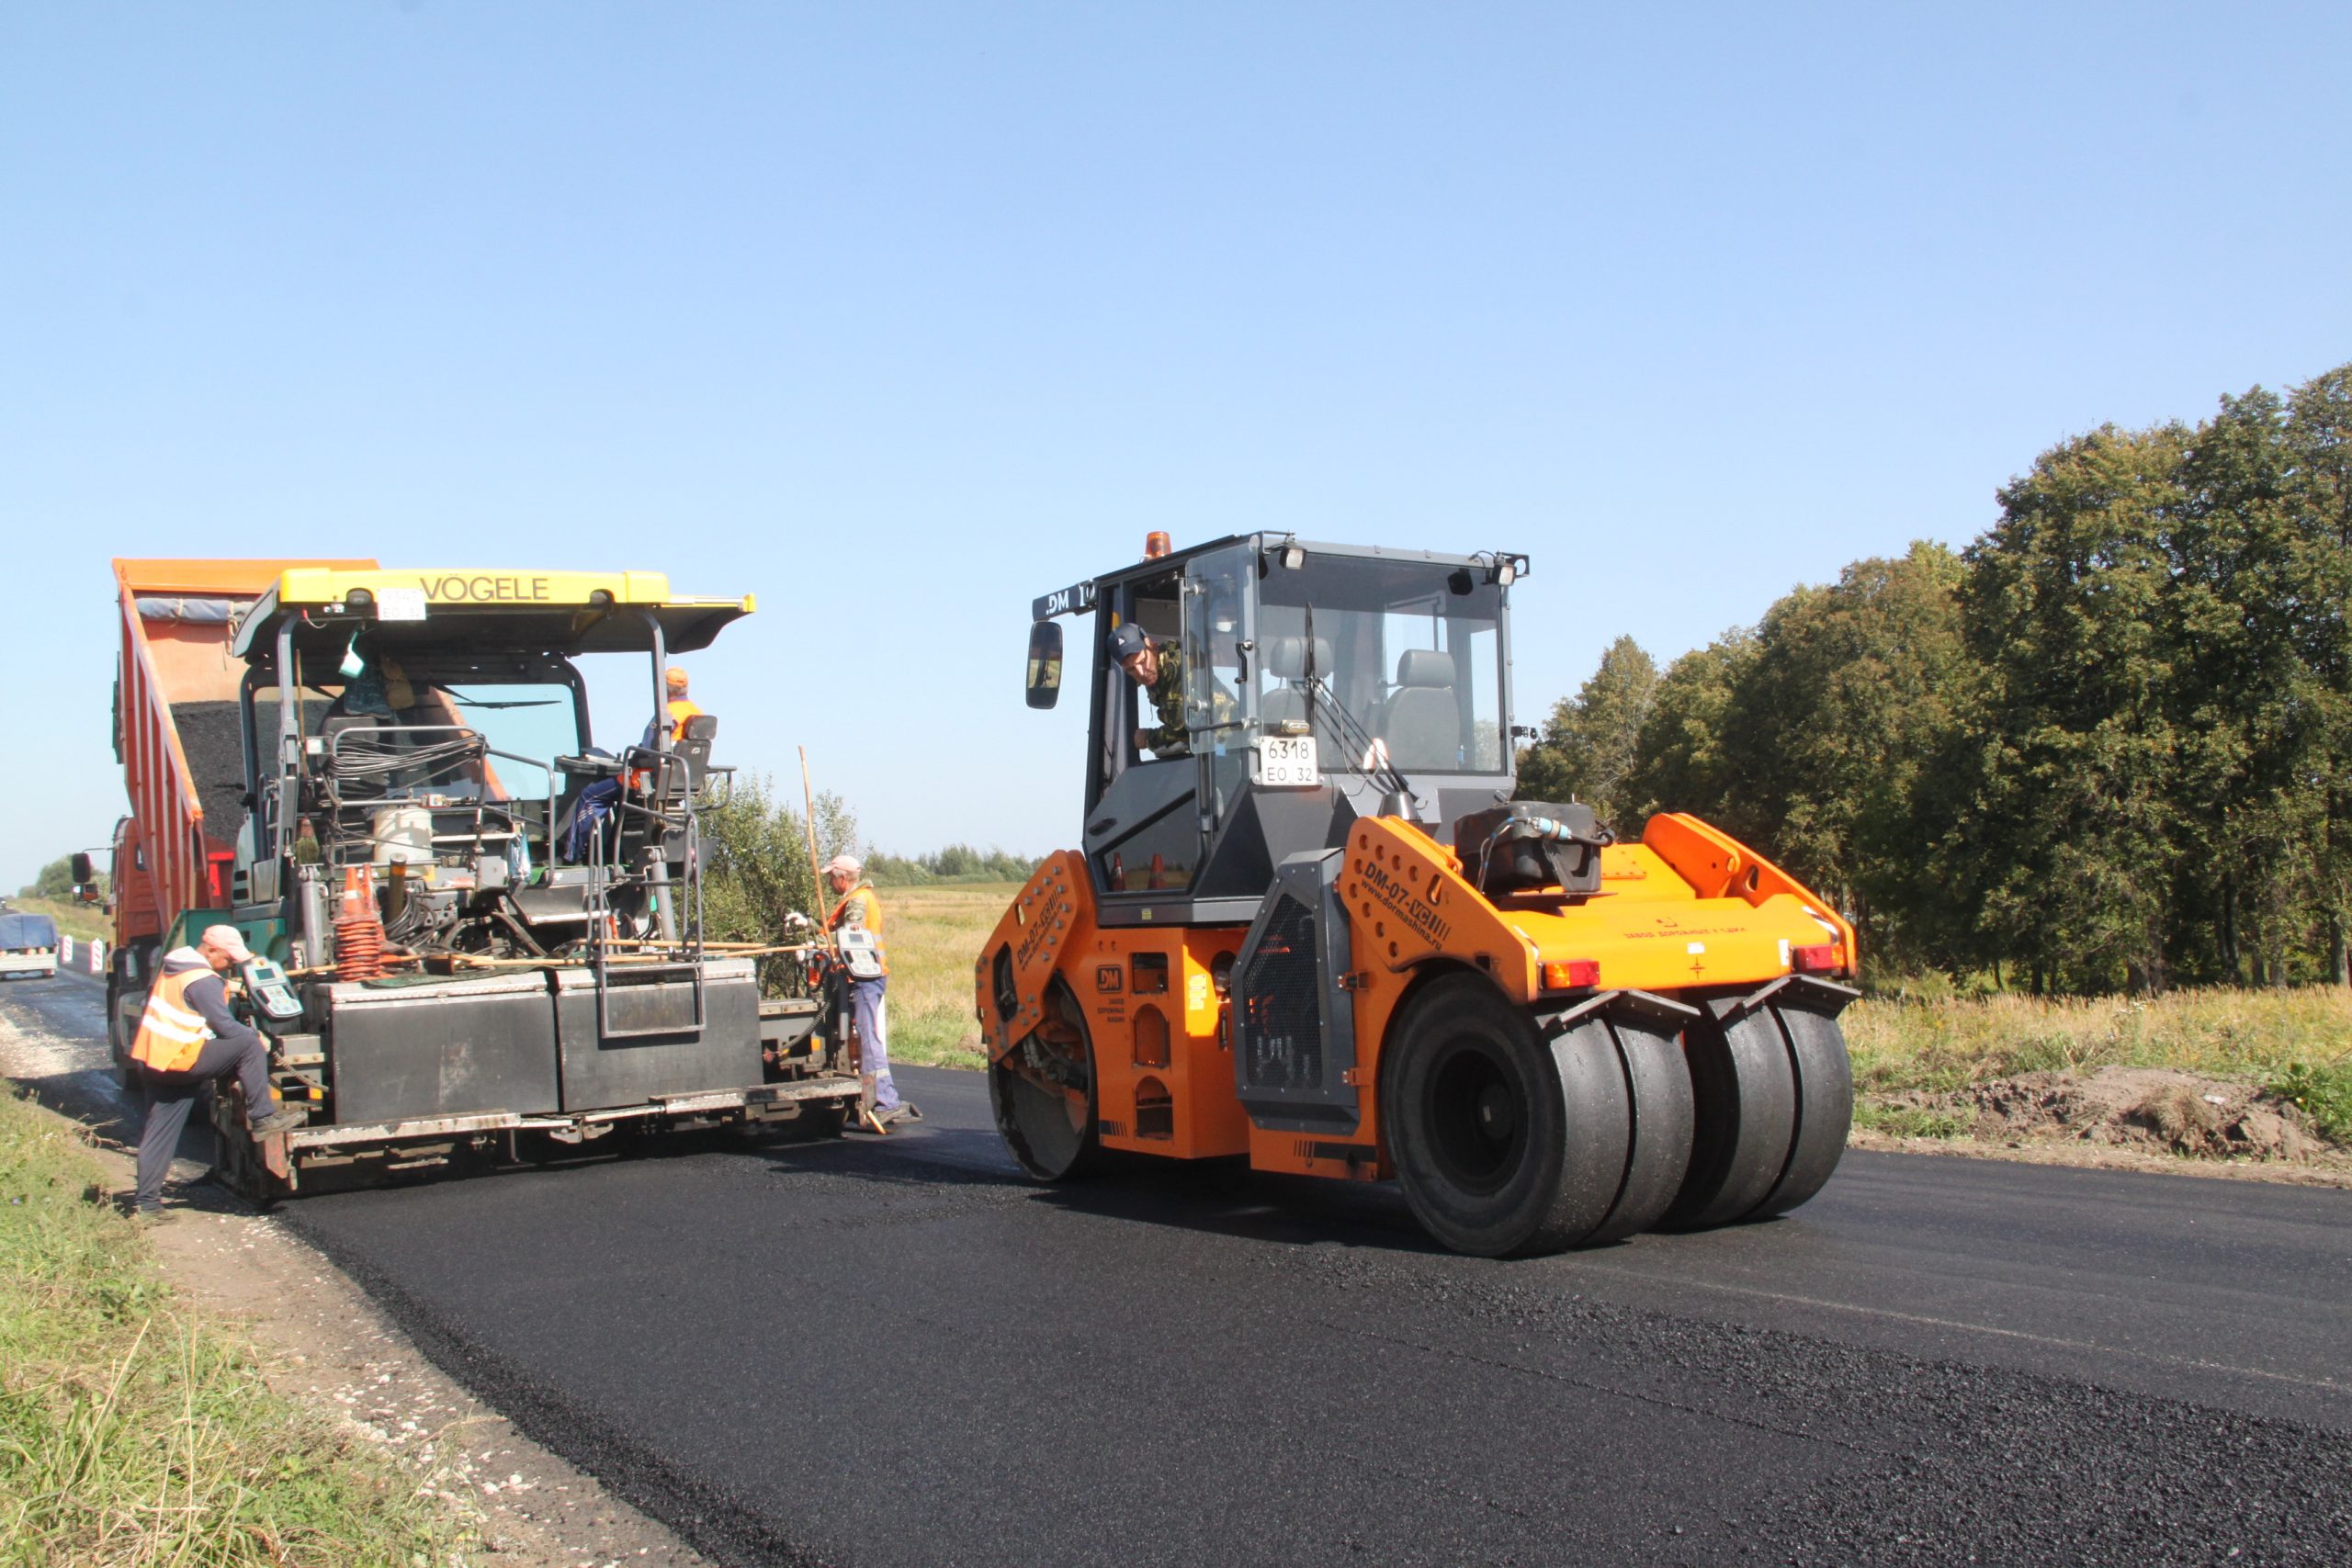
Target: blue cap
(1126,641)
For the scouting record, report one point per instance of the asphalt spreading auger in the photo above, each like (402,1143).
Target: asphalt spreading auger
(1315,929)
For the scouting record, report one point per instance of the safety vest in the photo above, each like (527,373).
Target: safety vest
(679,710)
(172,1033)
(862,894)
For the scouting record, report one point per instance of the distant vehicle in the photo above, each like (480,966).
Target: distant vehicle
(28,944)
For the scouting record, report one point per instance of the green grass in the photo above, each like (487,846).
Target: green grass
(1910,1121)
(132,1431)
(2323,1092)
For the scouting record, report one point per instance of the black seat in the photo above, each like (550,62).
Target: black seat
(693,745)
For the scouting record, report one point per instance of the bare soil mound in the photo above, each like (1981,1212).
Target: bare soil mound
(2149,1110)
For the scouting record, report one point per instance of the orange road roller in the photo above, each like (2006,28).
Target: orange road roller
(1308,924)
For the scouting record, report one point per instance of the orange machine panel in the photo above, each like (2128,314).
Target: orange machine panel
(1162,1034)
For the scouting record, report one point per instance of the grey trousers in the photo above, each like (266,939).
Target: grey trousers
(869,1013)
(169,1095)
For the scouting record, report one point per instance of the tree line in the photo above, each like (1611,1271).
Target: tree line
(2106,746)
(956,862)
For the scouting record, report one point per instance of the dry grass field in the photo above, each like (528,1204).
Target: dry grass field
(2295,1045)
(935,936)
(1946,1043)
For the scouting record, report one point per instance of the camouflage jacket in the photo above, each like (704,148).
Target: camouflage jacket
(1168,738)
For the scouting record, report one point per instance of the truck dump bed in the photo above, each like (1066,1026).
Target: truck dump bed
(176,733)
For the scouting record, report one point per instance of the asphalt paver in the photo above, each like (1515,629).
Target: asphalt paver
(894,1350)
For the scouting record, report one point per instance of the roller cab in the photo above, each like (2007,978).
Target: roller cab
(1308,926)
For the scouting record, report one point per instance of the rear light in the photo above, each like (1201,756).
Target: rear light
(1814,959)
(1573,974)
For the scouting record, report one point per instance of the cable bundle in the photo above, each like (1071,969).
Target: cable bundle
(359,758)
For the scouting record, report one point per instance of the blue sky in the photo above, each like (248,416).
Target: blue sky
(898,315)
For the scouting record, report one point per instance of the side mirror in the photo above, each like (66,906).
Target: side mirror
(84,873)
(1045,681)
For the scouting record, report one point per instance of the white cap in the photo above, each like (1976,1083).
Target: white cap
(229,941)
(848,866)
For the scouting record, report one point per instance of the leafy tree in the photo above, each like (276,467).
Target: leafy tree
(1836,724)
(1682,762)
(2318,441)
(2110,742)
(55,881)
(2253,806)
(956,862)
(756,871)
(1589,747)
(2072,839)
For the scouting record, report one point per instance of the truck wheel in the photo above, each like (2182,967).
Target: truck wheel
(1506,1143)
(1774,1095)
(119,1032)
(818,1123)
(1043,1092)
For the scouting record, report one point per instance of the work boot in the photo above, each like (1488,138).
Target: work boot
(284,1119)
(902,1111)
(148,1219)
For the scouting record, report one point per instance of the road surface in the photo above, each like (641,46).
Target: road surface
(893,1351)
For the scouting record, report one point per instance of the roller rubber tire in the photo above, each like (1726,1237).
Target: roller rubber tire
(1664,1122)
(1509,1145)
(1825,1107)
(1745,1096)
(1773,1097)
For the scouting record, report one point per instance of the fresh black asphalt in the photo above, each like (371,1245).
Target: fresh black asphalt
(893,1351)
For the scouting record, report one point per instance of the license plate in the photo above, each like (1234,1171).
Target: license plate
(1285,762)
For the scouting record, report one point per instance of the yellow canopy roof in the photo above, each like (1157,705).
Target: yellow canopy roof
(567,612)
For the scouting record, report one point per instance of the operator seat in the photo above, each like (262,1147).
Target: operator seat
(1424,728)
(693,745)
(1286,662)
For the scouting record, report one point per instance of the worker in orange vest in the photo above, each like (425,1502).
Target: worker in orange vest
(678,709)
(187,1038)
(865,972)
(680,706)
